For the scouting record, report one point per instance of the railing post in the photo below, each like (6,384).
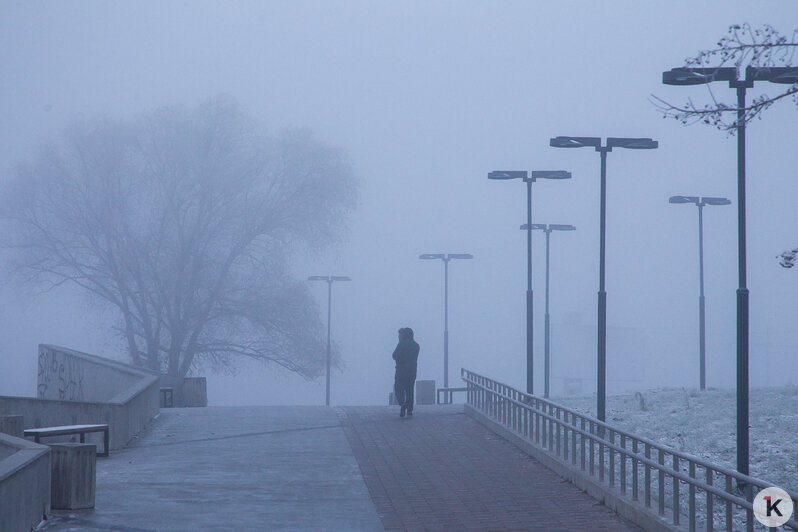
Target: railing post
(622,456)
(634,470)
(692,498)
(710,501)
(749,512)
(601,452)
(527,419)
(537,422)
(661,477)
(582,442)
(648,476)
(558,426)
(729,508)
(592,458)
(612,458)
(675,491)
(573,440)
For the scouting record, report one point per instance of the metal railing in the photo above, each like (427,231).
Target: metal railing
(678,487)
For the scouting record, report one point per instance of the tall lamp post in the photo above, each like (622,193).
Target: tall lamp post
(702,76)
(546,365)
(529,178)
(330,280)
(702,343)
(595,142)
(445,258)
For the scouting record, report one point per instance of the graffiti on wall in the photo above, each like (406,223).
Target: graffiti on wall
(60,376)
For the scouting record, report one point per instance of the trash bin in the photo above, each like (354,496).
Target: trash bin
(73,478)
(425,392)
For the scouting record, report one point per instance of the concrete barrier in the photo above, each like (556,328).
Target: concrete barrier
(24,484)
(186,391)
(73,478)
(127,407)
(194,391)
(70,375)
(12,425)
(425,392)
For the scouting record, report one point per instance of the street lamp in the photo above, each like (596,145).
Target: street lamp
(700,203)
(445,258)
(701,76)
(595,142)
(330,280)
(529,178)
(548,229)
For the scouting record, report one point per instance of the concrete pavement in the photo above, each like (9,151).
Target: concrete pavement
(226,468)
(317,468)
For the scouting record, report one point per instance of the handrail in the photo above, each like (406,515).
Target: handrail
(547,424)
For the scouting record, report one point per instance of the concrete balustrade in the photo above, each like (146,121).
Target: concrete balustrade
(123,396)
(73,388)
(24,483)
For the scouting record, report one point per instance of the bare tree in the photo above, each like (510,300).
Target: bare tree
(742,46)
(184,221)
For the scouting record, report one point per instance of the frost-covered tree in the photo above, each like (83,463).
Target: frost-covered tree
(742,46)
(183,221)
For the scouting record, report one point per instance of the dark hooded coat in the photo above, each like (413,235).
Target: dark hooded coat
(406,357)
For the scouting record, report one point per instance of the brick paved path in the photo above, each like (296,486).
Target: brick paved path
(441,470)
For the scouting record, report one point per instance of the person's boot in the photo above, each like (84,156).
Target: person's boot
(402,411)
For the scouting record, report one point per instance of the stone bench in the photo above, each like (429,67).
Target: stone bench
(65,430)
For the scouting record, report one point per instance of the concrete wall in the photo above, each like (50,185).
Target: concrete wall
(128,406)
(187,391)
(24,484)
(74,376)
(194,392)
(12,425)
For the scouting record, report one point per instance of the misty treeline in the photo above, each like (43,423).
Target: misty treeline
(742,46)
(184,222)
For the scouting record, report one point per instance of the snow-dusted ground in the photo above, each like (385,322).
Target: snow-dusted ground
(704,424)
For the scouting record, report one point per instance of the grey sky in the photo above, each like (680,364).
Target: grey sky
(427,97)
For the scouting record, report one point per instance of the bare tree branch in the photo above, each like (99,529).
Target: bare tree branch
(742,46)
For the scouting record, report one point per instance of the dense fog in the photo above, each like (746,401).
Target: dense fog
(426,98)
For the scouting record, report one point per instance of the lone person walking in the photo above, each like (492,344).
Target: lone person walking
(406,357)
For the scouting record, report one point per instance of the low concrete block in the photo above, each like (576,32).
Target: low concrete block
(194,392)
(425,392)
(392,399)
(12,425)
(74,476)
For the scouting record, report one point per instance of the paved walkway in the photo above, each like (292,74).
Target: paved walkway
(441,470)
(316,468)
(231,469)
